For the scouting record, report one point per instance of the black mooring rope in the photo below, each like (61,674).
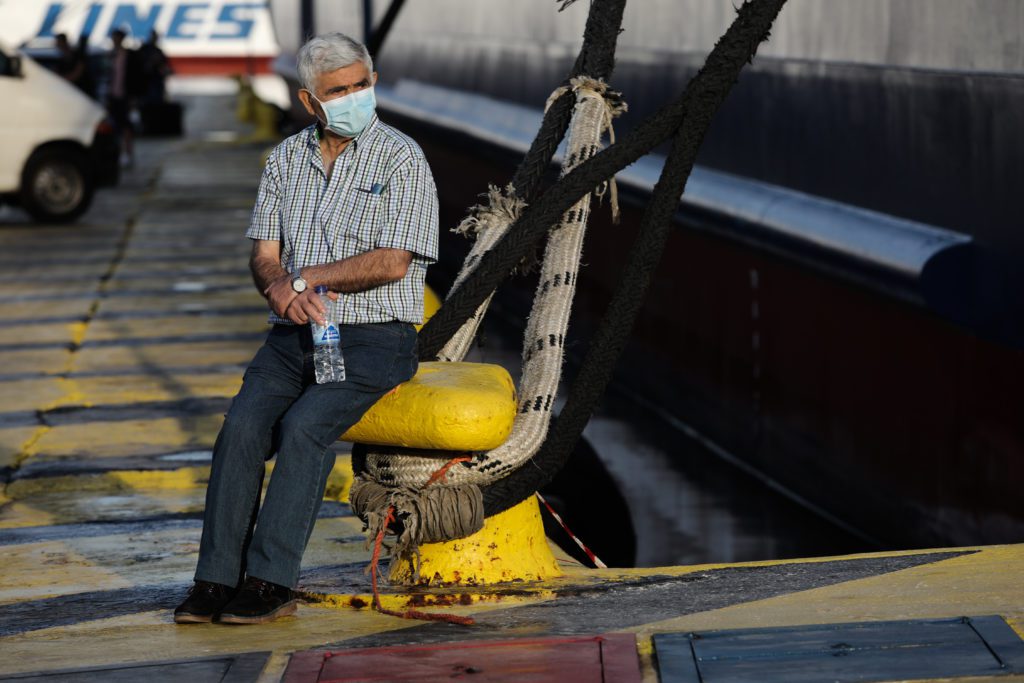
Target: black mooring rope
(595,59)
(700,101)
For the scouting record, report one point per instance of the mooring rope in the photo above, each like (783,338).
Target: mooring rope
(548,323)
(702,98)
(382,518)
(430,514)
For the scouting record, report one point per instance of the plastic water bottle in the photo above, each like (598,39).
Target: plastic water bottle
(330,366)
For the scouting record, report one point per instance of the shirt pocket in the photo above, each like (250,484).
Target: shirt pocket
(359,222)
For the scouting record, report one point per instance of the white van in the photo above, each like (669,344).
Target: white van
(56,146)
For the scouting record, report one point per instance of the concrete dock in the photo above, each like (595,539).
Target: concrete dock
(126,334)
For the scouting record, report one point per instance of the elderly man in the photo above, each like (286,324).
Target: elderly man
(348,203)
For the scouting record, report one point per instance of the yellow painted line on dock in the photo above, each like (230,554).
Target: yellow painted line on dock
(42,361)
(402,601)
(112,482)
(15,514)
(339,482)
(173,325)
(129,389)
(987,581)
(73,272)
(70,394)
(183,303)
(645,653)
(229,260)
(175,282)
(158,357)
(45,391)
(13,441)
(25,451)
(43,570)
(60,507)
(93,440)
(140,559)
(152,636)
(78,331)
(53,308)
(36,333)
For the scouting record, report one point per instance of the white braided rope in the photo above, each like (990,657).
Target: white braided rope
(489,223)
(549,320)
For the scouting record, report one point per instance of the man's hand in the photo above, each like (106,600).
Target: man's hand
(305,307)
(280,295)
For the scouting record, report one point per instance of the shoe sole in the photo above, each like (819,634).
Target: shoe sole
(282,611)
(186,618)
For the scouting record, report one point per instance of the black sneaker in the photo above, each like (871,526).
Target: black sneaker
(204,602)
(258,602)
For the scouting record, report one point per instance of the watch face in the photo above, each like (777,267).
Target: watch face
(299,285)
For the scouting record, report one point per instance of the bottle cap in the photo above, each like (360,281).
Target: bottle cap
(321,289)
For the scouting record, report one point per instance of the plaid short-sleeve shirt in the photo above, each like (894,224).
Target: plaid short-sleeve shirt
(380,194)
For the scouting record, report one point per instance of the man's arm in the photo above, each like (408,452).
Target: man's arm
(272,280)
(360,272)
(265,264)
(268,273)
(354,274)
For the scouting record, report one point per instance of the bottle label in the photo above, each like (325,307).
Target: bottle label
(325,335)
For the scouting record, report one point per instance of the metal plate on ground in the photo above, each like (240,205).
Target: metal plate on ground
(243,668)
(588,659)
(874,651)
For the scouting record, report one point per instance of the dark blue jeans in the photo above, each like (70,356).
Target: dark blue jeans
(281,409)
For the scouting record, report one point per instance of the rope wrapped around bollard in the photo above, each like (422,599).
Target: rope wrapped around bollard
(427,515)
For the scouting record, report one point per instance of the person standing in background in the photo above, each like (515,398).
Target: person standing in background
(124,84)
(87,83)
(155,70)
(71,63)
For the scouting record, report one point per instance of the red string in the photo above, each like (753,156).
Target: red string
(443,472)
(389,517)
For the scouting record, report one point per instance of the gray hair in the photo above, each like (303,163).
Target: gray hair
(329,52)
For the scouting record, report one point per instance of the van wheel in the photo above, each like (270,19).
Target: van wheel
(55,186)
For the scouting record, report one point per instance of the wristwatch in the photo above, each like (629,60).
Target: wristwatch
(298,283)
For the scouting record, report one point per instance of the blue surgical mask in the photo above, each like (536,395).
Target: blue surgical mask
(348,116)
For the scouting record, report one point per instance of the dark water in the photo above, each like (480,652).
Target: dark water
(641,491)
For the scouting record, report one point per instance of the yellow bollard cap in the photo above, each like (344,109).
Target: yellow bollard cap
(446,406)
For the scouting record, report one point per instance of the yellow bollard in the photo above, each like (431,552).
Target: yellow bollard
(265,121)
(244,109)
(510,547)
